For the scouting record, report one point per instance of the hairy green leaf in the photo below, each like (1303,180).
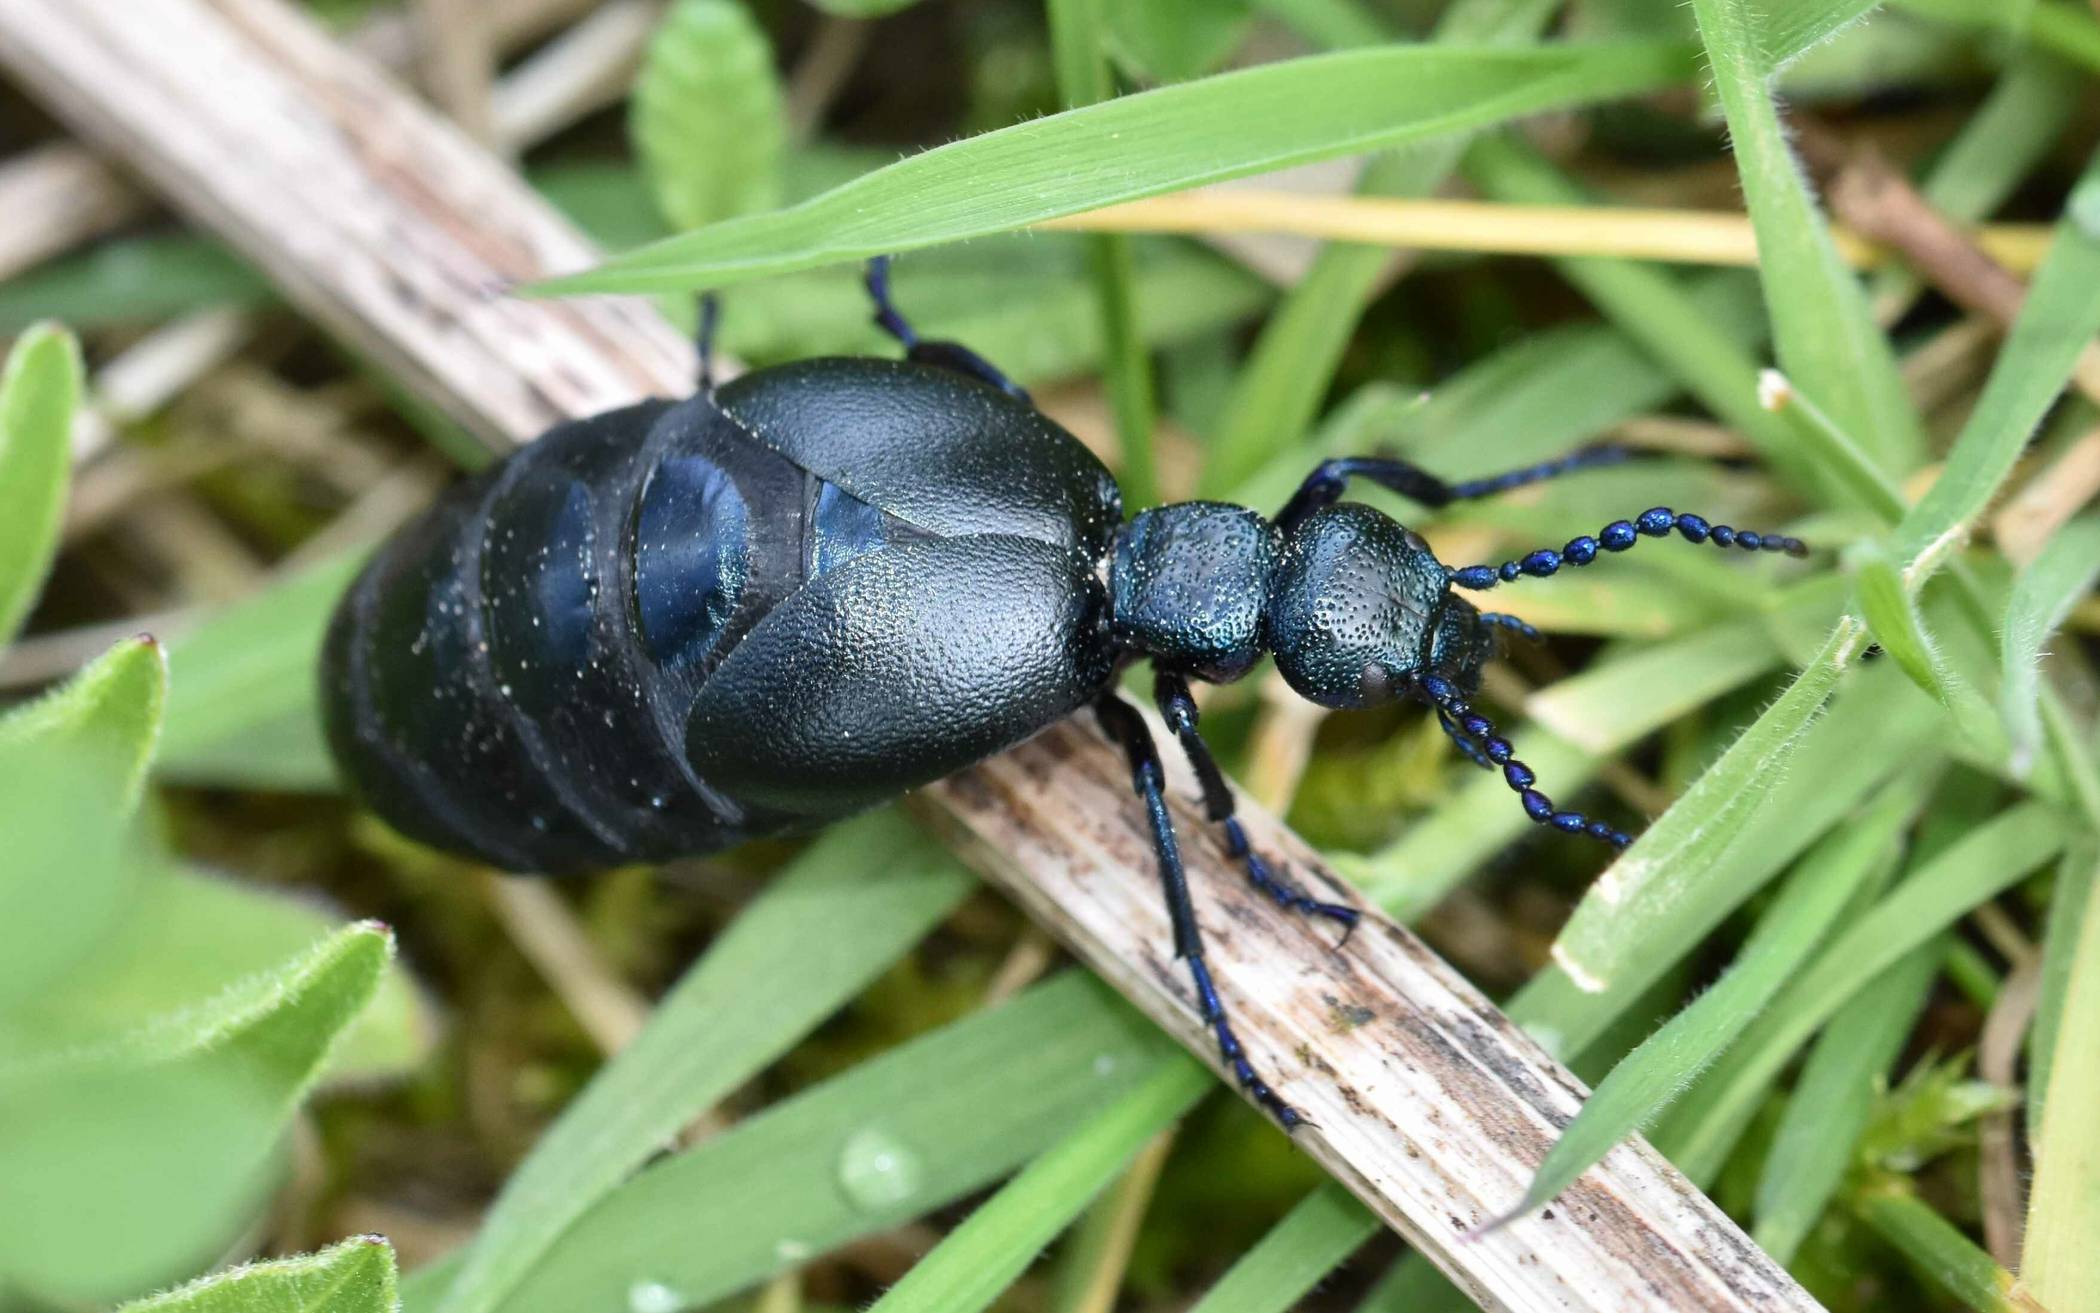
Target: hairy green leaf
(708,118)
(39,392)
(356,1276)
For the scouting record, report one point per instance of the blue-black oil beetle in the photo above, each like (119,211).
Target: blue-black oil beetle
(661,630)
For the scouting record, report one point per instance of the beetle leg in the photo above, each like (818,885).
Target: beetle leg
(952,356)
(1451,705)
(704,339)
(1325,485)
(1124,725)
(1178,708)
(1510,624)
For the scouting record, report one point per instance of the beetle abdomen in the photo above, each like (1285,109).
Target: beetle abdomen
(511,676)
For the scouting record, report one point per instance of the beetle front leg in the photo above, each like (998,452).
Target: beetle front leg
(1127,727)
(1177,706)
(947,355)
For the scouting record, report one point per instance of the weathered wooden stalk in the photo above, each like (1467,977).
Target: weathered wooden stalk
(392,229)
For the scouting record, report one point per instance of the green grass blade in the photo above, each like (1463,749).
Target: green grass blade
(1078,47)
(131,281)
(1651,1077)
(2058,26)
(1323,1229)
(2041,597)
(136,1160)
(242,708)
(1938,1251)
(1292,365)
(1656,884)
(2059,1260)
(109,714)
(2056,321)
(708,119)
(858,899)
(992,1247)
(1892,616)
(1982,864)
(1328,24)
(1209,130)
(2001,143)
(1825,339)
(356,1276)
(39,391)
(2075,876)
(1831,1103)
(959,1108)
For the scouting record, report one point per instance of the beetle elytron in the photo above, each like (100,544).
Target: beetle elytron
(661,630)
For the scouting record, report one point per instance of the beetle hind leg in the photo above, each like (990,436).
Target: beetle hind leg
(952,356)
(1126,727)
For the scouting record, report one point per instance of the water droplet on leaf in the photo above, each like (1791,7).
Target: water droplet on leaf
(876,1171)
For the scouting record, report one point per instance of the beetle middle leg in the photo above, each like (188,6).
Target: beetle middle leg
(947,355)
(1177,706)
(1127,727)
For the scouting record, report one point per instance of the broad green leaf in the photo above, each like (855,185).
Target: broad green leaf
(708,118)
(2059,1258)
(182,938)
(166,1137)
(71,767)
(980,1258)
(1227,126)
(1323,1229)
(2056,322)
(852,904)
(891,1139)
(1826,340)
(1660,879)
(1983,863)
(1650,1078)
(242,708)
(1831,1102)
(1292,365)
(2041,597)
(356,1276)
(38,394)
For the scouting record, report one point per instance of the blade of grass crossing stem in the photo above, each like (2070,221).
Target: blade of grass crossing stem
(1709,357)
(2056,322)
(356,1276)
(1982,864)
(1088,1274)
(1878,726)
(38,394)
(2059,1260)
(911,1130)
(1892,616)
(2057,26)
(2075,877)
(2041,597)
(1938,1251)
(1292,365)
(1826,341)
(1226,126)
(1832,1100)
(1657,883)
(1651,1077)
(852,904)
(1079,50)
(1322,1230)
(969,1268)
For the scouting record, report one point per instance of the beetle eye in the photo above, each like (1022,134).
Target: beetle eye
(1377,682)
